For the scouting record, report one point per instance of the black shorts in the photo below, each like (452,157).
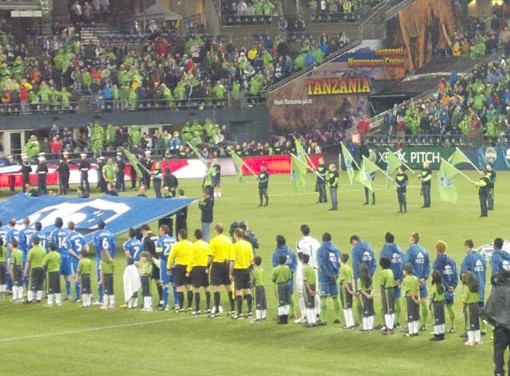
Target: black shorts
(388,300)
(145,282)
(345,297)
(309,299)
(368,306)
(219,274)
(198,277)
(54,283)
(37,275)
(155,272)
(413,310)
(473,315)
(283,294)
(85,284)
(108,284)
(180,278)
(438,309)
(16,276)
(260,297)
(3,273)
(241,279)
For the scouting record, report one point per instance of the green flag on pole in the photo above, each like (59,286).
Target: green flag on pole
(300,151)
(445,185)
(349,162)
(364,176)
(238,163)
(297,173)
(458,157)
(135,163)
(393,162)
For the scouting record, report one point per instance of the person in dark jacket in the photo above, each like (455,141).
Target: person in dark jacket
(206,206)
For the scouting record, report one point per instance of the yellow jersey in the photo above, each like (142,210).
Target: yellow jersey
(180,254)
(219,248)
(199,253)
(242,254)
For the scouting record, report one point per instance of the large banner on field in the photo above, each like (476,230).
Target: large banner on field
(414,156)
(119,213)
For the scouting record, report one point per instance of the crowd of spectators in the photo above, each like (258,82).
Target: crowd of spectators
(464,109)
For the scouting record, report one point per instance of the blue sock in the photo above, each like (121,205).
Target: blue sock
(68,288)
(77,286)
(100,293)
(176,297)
(166,294)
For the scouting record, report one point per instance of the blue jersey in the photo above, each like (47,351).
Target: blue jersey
(448,270)
(43,239)
(163,246)
(499,260)
(76,243)
(363,253)
(58,236)
(104,239)
(25,237)
(394,253)
(328,262)
(475,263)
(291,258)
(134,247)
(13,234)
(419,260)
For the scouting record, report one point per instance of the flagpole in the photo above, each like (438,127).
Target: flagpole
(195,150)
(308,159)
(471,163)
(306,165)
(352,158)
(380,169)
(403,163)
(460,172)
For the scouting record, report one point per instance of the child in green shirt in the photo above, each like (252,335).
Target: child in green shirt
(257,280)
(281,277)
(387,294)
(346,290)
(145,269)
(437,306)
(365,289)
(310,290)
(83,275)
(52,265)
(16,272)
(106,269)
(411,289)
(470,309)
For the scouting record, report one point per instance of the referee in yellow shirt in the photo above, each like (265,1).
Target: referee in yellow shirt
(241,259)
(220,247)
(179,259)
(198,272)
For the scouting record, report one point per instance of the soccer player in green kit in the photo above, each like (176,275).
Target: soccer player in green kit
(257,280)
(52,264)
(346,290)
(470,299)
(387,294)
(411,289)
(310,291)
(281,276)
(83,274)
(35,262)
(106,269)
(16,272)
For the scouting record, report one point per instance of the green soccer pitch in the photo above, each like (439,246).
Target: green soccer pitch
(39,340)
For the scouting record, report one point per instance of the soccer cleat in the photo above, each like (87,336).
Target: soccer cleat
(451,330)
(123,306)
(463,335)
(483,333)
(255,321)
(322,323)
(423,328)
(77,301)
(146,309)
(336,321)
(104,306)
(387,332)
(469,343)
(97,302)
(208,310)
(299,321)
(111,306)
(237,317)
(249,314)
(347,327)
(478,342)
(194,313)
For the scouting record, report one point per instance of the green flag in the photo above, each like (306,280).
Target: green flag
(364,176)
(348,162)
(238,163)
(297,173)
(458,157)
(300,151)
(447,190)
(197,153)
(393,162)
(370,166)
(135,163)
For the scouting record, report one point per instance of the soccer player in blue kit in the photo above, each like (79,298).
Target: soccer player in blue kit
(328,257)
(102,239)
(58,237)
(76,243)
(133,247)
(25,244)
(163,246)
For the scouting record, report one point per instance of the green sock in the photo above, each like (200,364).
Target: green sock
(424,312)
(398,309)
(324,307)
(336,305)
(451,313)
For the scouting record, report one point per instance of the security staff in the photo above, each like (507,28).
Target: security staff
(263,179)
(425,177)
(320,184)
(483,190)
(491,175)
(401,179)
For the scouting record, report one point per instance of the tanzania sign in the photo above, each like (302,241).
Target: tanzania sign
(336,85)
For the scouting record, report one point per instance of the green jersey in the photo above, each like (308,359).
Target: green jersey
(36,257)
(16,257)
(410,284)
(387,280)
(3,254)
(85,266)
(309,274)
(361,287)
(281,274)
(434,295)
(258,276)
(469,297)
(145,268)
(52,261)
(345,274)
(106,267)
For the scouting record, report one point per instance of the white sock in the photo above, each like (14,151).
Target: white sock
(38,296)
(317,304)
(105,300)
(50,299)
(112,301)
(147,303)
(471,335)
(14,293)
(263,314)
(387,322)
(84,299)
(30,295)
(89,300)
(58,298)
(416,327)
(258,314)
(219,194)
(131,303)
(436,330)
(442,328)
(287,309)
(20,293)
(280,311)
(371,323)
(478,336)
(365,323)
(302,306)
(311,317)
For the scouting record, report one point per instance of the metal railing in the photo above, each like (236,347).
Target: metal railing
(390,140)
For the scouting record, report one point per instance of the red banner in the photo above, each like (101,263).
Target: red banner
(275,164)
